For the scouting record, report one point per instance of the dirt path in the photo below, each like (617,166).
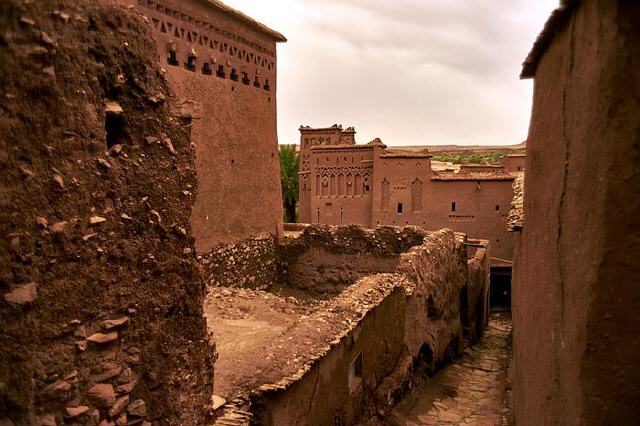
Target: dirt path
(473,390)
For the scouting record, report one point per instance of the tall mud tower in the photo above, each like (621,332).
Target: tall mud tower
(222,64)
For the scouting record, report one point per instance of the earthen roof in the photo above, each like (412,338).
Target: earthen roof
(556,23)
(471,175)
(515,218)
(405,154)
(340,146)
(247,20)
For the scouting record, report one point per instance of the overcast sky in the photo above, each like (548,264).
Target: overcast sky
(411,72)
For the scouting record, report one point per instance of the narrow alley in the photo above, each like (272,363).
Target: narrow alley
(473,390)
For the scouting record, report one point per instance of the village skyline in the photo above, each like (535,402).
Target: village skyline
(409,72)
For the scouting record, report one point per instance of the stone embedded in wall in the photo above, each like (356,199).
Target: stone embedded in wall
(250,263)
(79,189)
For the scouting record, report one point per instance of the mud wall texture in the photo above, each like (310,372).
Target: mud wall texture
(477,312)
(575,296)
(326,259)
(335,389)
(437,270)
(101,298)
(415,324)
(234,135)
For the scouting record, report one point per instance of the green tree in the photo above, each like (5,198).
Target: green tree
(289,179)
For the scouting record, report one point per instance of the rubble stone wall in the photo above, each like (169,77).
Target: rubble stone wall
(100,294)
(250,263)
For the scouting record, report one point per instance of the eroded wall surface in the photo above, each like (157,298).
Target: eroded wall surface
(100,294)
(437,270)
(407,320)
(234,132)
(575,295)
(478,267)
(329,391)
(326,259)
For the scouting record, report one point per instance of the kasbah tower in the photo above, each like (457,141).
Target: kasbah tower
(222,64)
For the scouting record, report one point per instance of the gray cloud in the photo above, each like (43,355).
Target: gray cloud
(409,71)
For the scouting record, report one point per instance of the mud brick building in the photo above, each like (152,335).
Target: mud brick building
(342,182)
(576,293)
(222,64)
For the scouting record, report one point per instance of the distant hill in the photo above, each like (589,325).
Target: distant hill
(459,149)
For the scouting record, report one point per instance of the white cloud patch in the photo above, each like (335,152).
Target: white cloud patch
(407,71)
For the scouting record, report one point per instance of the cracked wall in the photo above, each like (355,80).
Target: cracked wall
(576,354)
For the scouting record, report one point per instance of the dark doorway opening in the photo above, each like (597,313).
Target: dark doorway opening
(500,289)
(114,128)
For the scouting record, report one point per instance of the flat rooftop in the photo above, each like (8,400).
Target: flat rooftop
(262,338)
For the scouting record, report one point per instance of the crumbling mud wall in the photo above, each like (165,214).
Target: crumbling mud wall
(338,385)
(576,293)
(399,323)
(437,270)
(477,311)
(101,298)
(326,259)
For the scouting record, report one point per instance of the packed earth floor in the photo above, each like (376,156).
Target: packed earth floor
(473,390)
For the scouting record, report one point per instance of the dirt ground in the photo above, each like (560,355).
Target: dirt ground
(252,331)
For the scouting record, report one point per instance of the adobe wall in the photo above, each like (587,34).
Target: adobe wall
(402,322)
(100,292)
(309,138)
(235,134)
(514,163)
(479,268)
(575,295)
(343,187)
(481,208)
(437,273)
(321,394)
(326,259)
(401,180)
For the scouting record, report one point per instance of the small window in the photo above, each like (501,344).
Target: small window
(453,206)
(173,54)
(366,188)
(220,71)
(234,75)
(206,69)
(399,207)
(173,58)
(256,82)
(519,168)
(355,373)
(245,79)
(191,61)
(266,85)
(497,208)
